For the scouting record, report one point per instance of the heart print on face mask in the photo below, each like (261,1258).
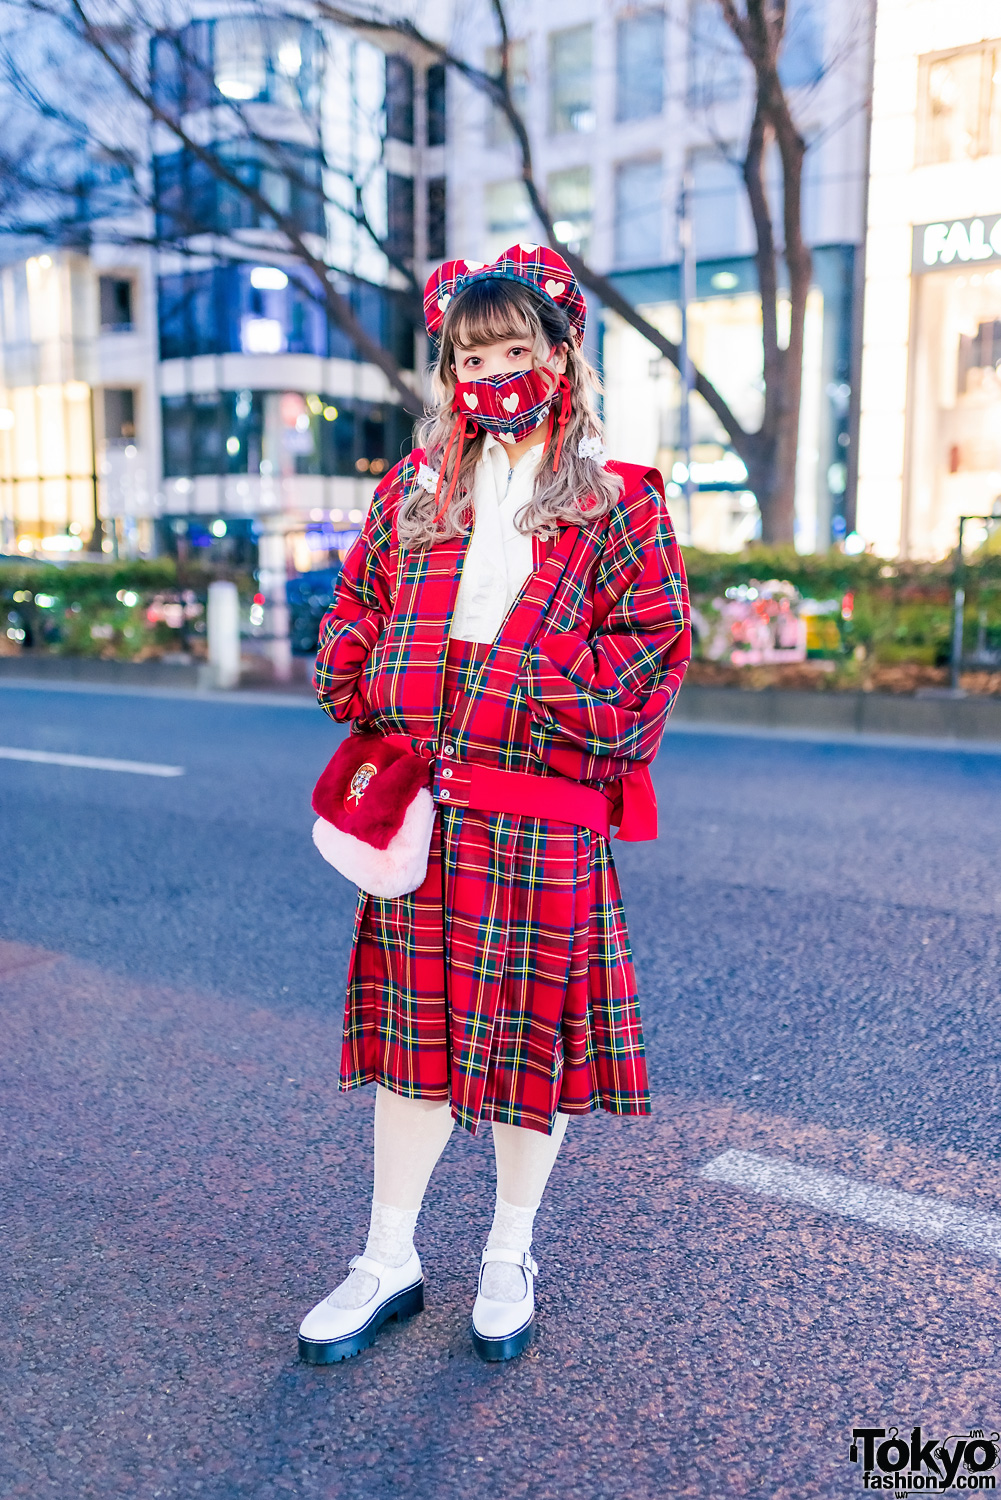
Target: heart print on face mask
(508,406)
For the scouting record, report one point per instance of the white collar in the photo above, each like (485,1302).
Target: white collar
(530,458)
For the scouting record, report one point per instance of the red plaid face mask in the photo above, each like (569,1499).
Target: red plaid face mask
(509,406)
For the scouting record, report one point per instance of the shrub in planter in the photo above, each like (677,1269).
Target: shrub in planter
(130,612)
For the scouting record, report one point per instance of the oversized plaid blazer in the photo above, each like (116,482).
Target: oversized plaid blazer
(506,982)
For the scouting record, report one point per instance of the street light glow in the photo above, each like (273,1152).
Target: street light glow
(268,279)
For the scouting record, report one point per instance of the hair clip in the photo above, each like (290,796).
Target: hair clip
(427,478)
(591,447)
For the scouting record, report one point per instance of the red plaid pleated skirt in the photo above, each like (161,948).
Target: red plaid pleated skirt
(505,983)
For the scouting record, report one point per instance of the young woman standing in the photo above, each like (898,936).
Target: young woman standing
(516,612)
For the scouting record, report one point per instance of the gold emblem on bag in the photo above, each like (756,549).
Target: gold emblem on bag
(360,781)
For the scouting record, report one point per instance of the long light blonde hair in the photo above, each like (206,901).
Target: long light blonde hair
(581,489)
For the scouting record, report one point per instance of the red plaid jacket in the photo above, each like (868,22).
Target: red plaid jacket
(588,697)
(530,947)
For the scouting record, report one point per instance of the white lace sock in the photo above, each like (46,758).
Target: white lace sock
(511,1230)
(525,1158)
(410,1135)
(390,1241)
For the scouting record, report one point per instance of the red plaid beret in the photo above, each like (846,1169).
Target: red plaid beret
(536,265)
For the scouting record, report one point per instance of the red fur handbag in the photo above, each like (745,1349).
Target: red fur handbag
(375,815)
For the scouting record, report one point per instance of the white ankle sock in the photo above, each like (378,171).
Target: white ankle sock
(511,1230)
(390,1241)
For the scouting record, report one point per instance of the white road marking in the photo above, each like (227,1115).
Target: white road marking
(90,762)
(905,1213)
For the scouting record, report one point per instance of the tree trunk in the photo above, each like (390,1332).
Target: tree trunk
(760,28)
(799,263)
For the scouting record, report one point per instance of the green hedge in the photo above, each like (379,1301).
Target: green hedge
(823,574)
(902,611)
(87,580)
(83,611)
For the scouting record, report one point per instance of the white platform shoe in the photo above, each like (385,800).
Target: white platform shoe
(328,1334)
(502,1329)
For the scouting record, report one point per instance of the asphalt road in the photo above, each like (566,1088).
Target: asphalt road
(816,936)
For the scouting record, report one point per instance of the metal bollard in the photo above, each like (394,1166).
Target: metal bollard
(224,634)
(273,574)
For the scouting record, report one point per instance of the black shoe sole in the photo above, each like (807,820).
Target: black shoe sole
(405,1304)
(509,1348)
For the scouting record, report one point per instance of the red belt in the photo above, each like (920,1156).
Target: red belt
(632,806)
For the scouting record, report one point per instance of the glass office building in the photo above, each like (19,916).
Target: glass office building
(203,376)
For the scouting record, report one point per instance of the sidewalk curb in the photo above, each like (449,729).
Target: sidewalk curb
(834,716)
(239,697)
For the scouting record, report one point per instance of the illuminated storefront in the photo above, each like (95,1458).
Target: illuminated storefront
(643,395)
(930,435)
(955,379)
(47,481)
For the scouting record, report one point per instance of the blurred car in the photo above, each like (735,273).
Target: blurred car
(309,597)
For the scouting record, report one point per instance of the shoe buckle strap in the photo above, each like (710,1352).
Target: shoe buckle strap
(520,1258)
(373,1267)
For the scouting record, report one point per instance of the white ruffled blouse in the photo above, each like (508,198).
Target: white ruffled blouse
(499,557)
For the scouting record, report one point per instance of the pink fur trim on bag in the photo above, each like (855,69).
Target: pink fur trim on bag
(390,872)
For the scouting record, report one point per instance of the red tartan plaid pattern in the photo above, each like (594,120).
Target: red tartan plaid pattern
(536,266)
(520,922)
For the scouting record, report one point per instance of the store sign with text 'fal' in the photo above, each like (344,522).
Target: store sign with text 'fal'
(956,242)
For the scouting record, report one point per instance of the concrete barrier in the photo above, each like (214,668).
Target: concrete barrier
(931,717)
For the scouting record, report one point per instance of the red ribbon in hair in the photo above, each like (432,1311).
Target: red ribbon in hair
(464,428)
(565,393)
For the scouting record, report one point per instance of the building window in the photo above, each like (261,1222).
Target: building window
(639,72)
(115,293)
(437,219)
(239,58)
(499,132)
(210,312)
(570,206)
(400,216)
(717,67)
(119,416)
(960,105)
(436,91)
(571,102)
(717,203)
(46,451)
(207,437)
(638,213)
(399,99)
(508,213)
(191,199)
(243,58)
(280,433)
(801,58)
